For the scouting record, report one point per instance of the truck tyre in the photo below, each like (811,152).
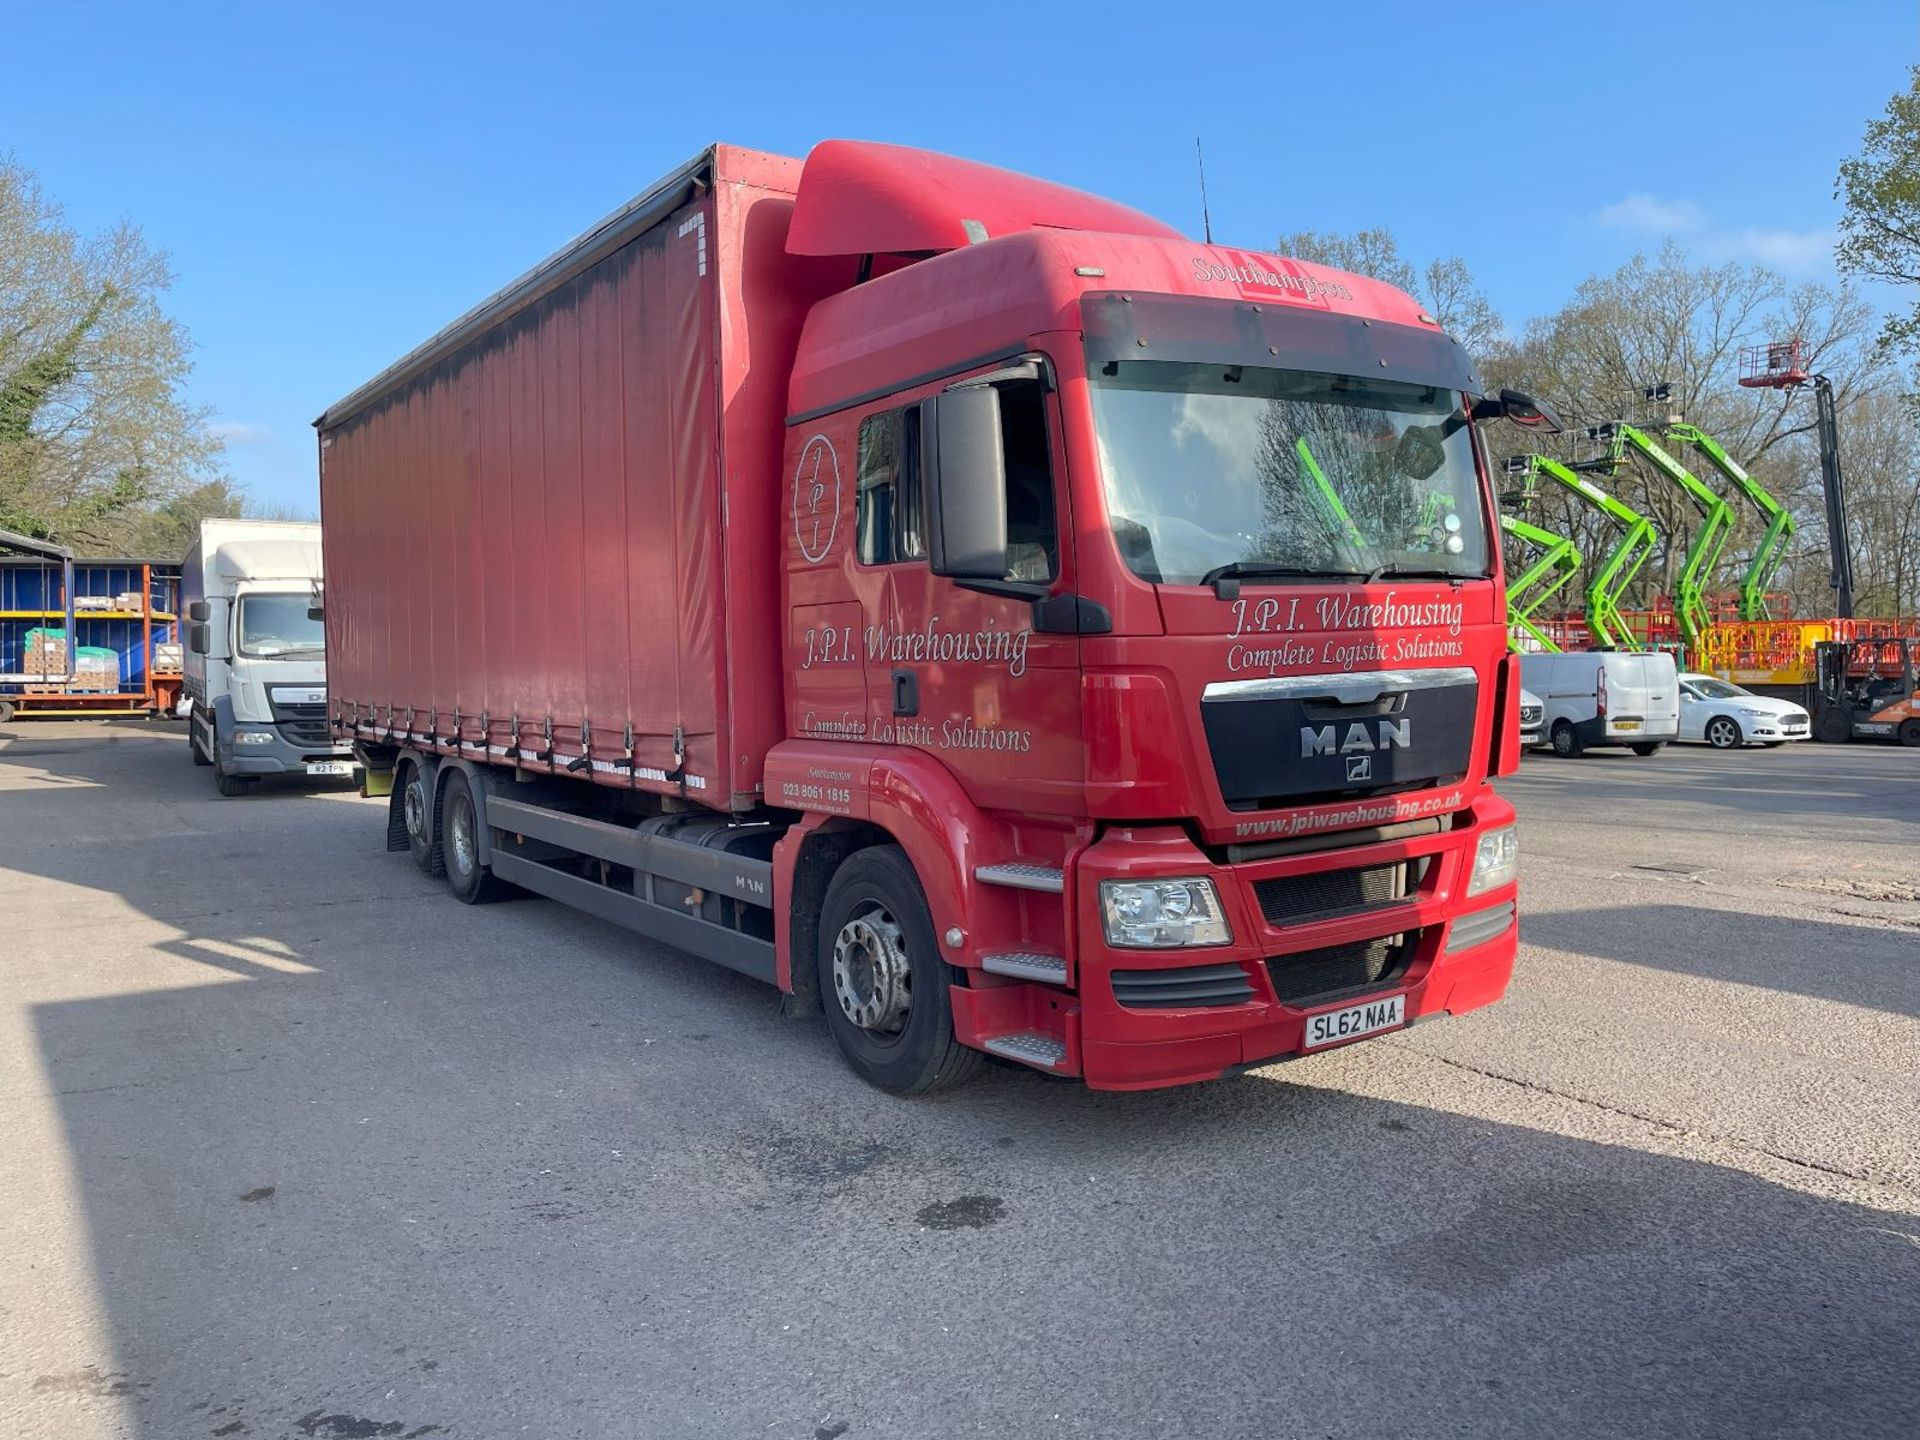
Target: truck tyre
(1723,733)
(1566,742)
(193,747)
(416,806)
(882,981)
(1648,747)
(230,786)
(471,882)
(1910,732)
(1831,727)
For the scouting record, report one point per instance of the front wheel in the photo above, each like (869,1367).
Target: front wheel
(472,882)
(1648,747)
(1831,727)
(1723,733)
(1566,744)
(231,786)
(882,981)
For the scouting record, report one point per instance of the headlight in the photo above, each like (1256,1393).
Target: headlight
(253,737)
(1756,714)
(1496,862)
(1162,914)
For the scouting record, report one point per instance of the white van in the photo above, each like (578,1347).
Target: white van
(1606,697)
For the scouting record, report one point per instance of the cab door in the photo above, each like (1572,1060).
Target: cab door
(957,671)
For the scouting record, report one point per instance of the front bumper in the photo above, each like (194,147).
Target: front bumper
(1287,962)
(278,756)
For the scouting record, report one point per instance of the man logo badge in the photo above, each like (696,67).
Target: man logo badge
(1361,737)
(1359,767)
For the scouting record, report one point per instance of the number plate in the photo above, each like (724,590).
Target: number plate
(1334,1026)
(329,767)
(1626,724)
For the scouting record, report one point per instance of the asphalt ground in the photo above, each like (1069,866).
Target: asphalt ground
(294,1145)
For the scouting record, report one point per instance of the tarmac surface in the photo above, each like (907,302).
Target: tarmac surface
(297,1146)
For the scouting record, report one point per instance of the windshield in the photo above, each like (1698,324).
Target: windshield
(1206,466)
(1714,689)
(277,625)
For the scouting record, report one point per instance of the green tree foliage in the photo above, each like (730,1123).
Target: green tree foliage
(1880,187)
(97,448)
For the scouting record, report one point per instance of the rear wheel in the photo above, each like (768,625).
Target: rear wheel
(416,806)
(883,983)
(1723,733)
(472,883)
(1648,747)
(1910,733)
(1566,743)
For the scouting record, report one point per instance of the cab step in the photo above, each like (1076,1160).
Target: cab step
(1027,965)
(1029,1047)
(1016,876)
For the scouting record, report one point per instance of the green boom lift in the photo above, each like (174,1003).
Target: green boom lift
(1623,561)
(1716,523)
(1539,582)
(1771,551)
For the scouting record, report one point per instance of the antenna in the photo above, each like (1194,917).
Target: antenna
(1206,220)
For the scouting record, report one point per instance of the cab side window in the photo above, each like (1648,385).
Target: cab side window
(890,522)
(1033,541)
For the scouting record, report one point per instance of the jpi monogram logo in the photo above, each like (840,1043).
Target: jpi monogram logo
(816,498)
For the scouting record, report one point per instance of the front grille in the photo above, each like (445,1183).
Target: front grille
(1189,986)
(306,733)
(1532,714)
(1288,899)
(303,724)
(1323,973)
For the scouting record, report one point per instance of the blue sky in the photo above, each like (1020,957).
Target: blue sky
(335,182)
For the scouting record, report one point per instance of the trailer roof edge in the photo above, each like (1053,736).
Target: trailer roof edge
(9,540)
(595,244)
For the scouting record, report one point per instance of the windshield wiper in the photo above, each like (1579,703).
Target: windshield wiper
(1225,579)
(1417,572)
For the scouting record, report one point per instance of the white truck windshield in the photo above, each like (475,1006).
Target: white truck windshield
(1292,473)
(277,625)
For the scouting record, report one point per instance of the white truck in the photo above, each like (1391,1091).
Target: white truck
(255,663)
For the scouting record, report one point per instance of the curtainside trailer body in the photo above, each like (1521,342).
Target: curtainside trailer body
(959,600)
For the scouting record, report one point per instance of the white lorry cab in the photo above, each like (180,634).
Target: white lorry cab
(255,662)
(1605,697)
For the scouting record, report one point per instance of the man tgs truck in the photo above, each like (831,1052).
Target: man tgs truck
(962,602)
(255,663)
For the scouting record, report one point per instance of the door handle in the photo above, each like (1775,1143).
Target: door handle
(906,693)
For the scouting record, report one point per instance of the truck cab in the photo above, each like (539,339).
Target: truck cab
(255,663)
(1157,585)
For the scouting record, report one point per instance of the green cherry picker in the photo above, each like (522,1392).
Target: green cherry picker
(1608,584)
(1556,560)
(1769,554)
(1716,523)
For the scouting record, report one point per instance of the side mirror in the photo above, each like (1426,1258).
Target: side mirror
(963,470)
(316,612)
(200,612)
(199,636)
(1520,408)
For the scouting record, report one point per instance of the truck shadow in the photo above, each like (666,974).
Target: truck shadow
(324,1216)
(1852,964)
(351,1159)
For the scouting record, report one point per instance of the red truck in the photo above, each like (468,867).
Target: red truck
(963,602)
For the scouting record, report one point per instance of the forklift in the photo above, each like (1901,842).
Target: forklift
(1865,690)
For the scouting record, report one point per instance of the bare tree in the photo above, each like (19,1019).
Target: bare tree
(94,436)
(1446,286)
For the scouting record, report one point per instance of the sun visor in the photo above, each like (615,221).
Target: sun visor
(1195,330)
